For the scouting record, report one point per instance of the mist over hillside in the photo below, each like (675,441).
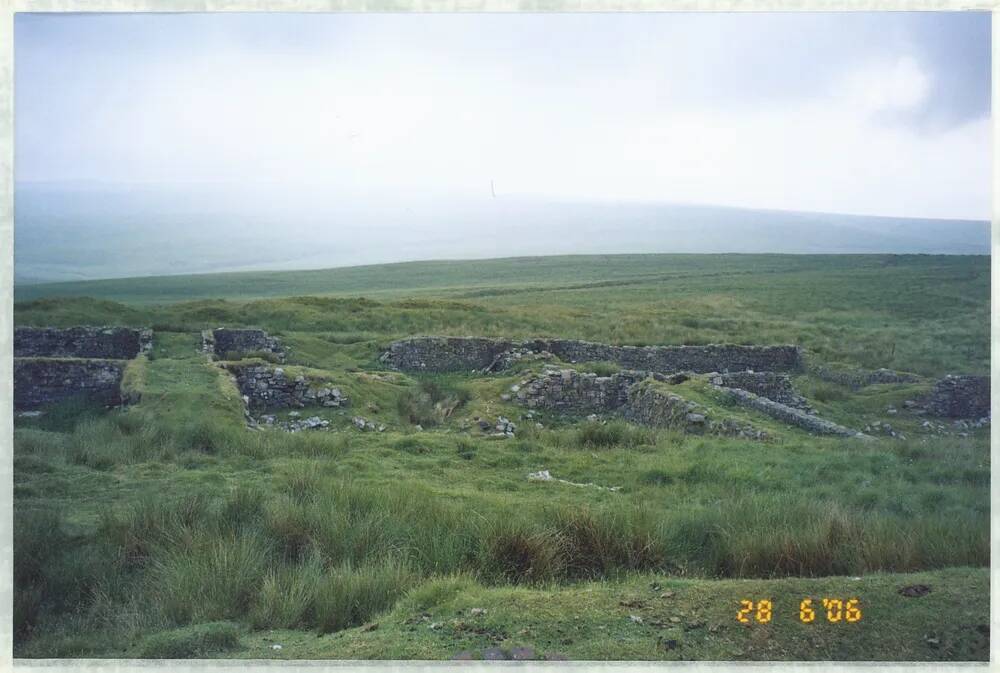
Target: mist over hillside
(79,232)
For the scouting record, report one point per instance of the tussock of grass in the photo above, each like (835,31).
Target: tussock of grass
(430,403)
(351,596)
(192,642)
(613,434)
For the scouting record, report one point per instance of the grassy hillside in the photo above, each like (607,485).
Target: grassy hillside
(925,314)
(170,529)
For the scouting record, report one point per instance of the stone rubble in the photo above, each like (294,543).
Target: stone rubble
(504,427)
(311,423)
(365,425)
(267,387)
(569,391)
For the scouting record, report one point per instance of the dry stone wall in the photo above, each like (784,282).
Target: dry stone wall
(116,343)
(859,378)
(450,354)
(698,359)
(789,415)
(570,391)
(53,364)
(960,397)
(264,387)
(445,354)
(225,343)
(39,382)
(650,405)
(777,387)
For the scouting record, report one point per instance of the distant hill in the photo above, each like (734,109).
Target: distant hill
(84,232)
(493,281)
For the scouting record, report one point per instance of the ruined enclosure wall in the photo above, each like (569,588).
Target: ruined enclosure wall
(226,343)
(698,359)
(662,409)
(118,343)
(568,391)
(960,397)
(787,414)
(777,387)
(446,354)
(859,378)
(267,387)
(651,406)
(571,391)
(42,381)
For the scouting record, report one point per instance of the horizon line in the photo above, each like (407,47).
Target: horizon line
(446,260)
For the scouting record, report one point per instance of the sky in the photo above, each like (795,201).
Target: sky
(865,113)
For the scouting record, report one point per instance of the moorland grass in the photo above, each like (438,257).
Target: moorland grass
(171,529)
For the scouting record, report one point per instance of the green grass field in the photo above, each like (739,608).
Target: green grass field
(169,529)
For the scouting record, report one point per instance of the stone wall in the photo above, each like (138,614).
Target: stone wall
(777,387)
(265,387)
(117,343)
(650,405)
(698,359)
(960,397)
(225,343)
(787,414)
(859,378)
(446,354)
(646,405)
(570,391)
(42,381)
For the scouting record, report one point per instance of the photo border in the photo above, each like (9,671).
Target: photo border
(7,10)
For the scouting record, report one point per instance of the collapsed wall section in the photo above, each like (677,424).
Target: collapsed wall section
(264,387)
(650,405)
(860,378)
(776,387)
(116,343)
(787,414)
(632,394)
(39,382)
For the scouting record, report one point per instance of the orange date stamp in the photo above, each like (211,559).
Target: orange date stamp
(835,610)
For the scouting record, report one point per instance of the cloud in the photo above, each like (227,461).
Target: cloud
(702,108)
(893,86)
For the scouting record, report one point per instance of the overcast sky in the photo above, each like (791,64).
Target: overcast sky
(859,113)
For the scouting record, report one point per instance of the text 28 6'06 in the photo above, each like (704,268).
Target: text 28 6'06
(832,610)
